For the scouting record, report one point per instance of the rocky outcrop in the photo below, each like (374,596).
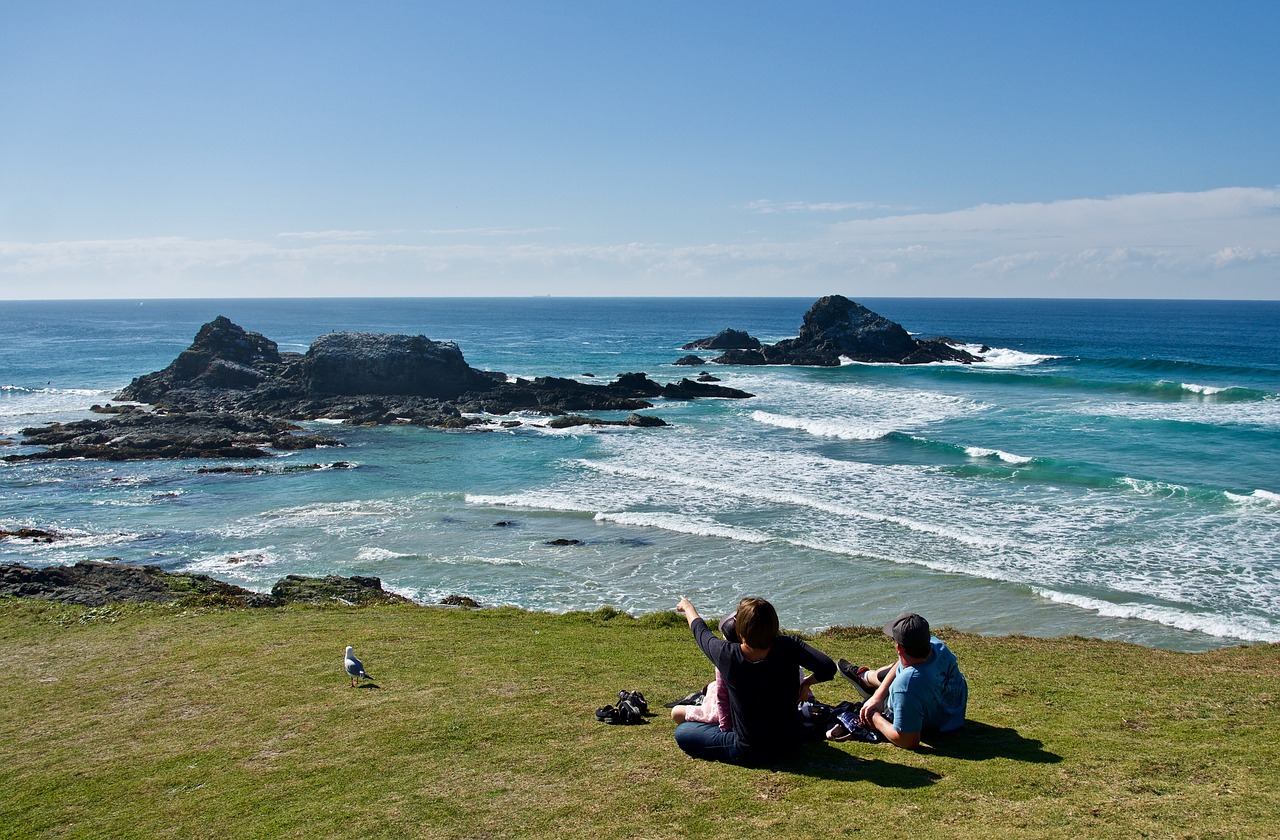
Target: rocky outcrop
(639,421)
(726,339)
(690,389)
(837,328)
(143,435)
(96,583)
(350,364)
(355,590)
(223,356)
(364,379)
(233,394)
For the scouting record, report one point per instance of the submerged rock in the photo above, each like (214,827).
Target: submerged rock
(36,535)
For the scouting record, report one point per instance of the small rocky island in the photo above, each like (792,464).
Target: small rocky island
(233,394)
(834,328)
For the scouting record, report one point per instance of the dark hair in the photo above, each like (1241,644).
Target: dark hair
(757,622)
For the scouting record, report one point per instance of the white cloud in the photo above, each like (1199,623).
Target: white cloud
(1218,243)
(768,206)
(333,234)
(490,231)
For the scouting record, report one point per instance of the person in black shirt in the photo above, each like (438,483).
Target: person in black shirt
(760,671)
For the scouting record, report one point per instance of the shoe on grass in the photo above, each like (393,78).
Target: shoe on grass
(853,673)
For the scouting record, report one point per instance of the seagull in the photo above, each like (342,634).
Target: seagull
(355,668)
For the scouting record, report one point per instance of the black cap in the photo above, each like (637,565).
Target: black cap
(911,631)
(729,627)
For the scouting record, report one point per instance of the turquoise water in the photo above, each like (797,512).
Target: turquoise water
(1113,470)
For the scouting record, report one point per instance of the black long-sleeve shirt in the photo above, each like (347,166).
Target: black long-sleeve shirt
(763,695)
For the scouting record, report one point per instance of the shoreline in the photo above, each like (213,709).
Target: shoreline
(105,583)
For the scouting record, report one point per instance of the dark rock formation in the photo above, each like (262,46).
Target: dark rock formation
(143,435)
(459,601)
(835,328)
(688,389)
(552,395)
(353,364)
(223,356)
(289,468)
(355,590)
(741,357)
(690,361)
(639,421)
(95,583)
(725,340)
(229,394)
(34,534)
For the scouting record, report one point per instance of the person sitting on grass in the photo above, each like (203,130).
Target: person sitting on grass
(921,694)
(714,705)
(760,672)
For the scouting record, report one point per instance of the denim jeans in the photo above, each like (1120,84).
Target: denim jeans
(705,740)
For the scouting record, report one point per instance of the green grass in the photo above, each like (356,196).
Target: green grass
(170,721)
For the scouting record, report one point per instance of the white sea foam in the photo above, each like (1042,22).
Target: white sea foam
(685,525)
(1246,628)
(1206,390)
(473,559)
(1007,457)
(1265,412)
(1148,487)
(532,501)
(993,357)
(412,593)
(241,564)
(822,427)
(329,517)
(1262,498)
(21,407)
(735,486)
(373,554)
(84,540)
(854,412)
(1001,357)
(141,500)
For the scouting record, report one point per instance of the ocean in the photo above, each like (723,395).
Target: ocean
(1112,470)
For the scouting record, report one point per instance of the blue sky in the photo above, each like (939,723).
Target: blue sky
(1047,149)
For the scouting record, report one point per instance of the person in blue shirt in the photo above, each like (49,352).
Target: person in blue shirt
(921,694)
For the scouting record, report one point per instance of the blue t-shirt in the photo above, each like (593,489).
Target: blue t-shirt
(930,696)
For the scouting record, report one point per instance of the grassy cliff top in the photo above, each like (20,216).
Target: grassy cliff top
(165,720)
